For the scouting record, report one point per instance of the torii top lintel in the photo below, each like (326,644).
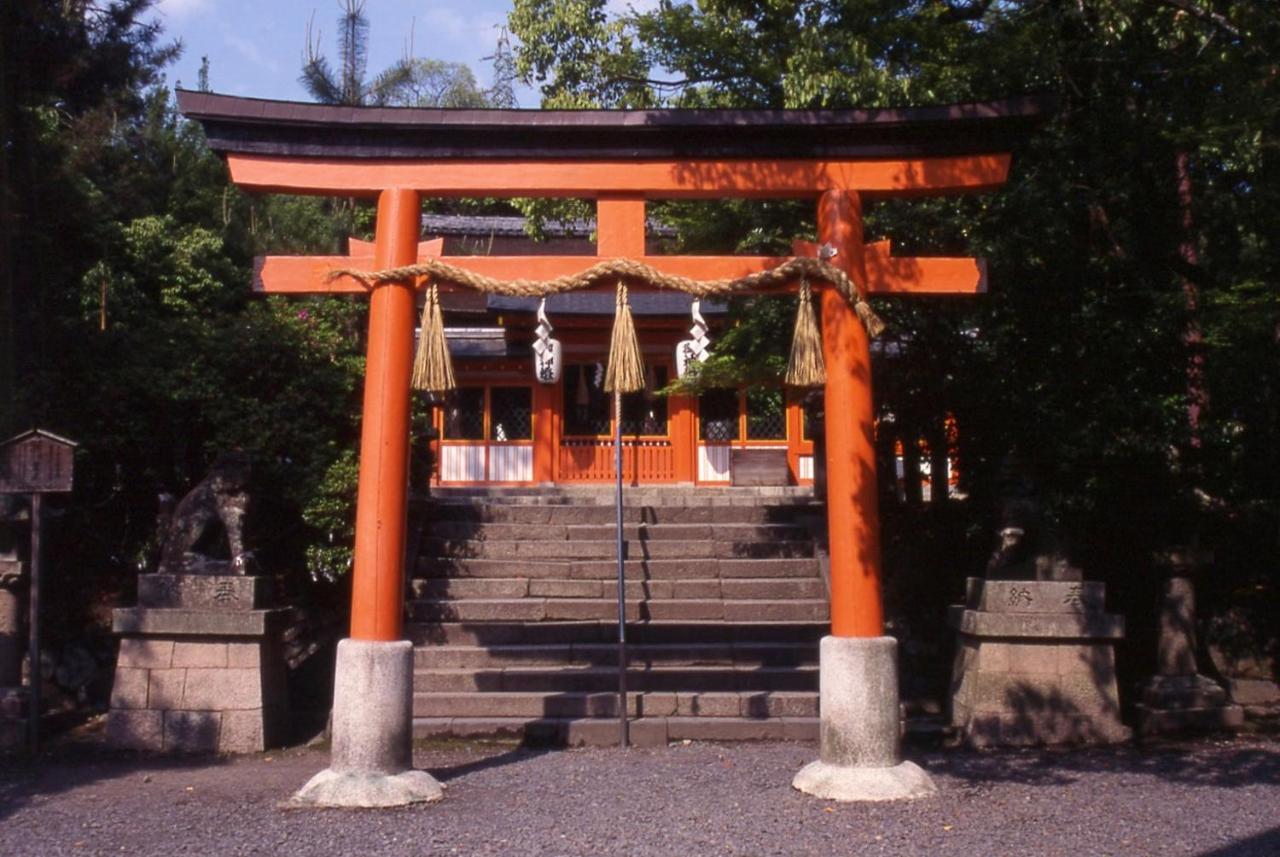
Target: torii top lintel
(656,154)
(621,159)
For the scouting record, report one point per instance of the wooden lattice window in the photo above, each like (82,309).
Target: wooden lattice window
(464,414)
(510,413)
(718,415)
(587,407)
(766,414)
(644,413)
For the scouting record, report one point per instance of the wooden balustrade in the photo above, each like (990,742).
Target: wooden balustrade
(591,460)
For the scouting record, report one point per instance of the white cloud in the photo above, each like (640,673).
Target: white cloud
(472,34)
(251,51)
(182,8)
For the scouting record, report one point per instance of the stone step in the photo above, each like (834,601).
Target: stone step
(649,731)
(540,549)
(481,531)
(531,609)
(546,514)
(663,678)
(512,633)
(572,704)
(741,654)
(760,588)
(608,569)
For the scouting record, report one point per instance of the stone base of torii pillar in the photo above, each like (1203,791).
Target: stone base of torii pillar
(371,762)
(860,750)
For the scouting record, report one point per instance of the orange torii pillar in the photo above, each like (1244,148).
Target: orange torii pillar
(371,763)
(860,747)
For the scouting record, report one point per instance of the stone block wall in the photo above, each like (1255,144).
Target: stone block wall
(201,666)
(198,695)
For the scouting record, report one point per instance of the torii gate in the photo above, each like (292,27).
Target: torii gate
(621,159)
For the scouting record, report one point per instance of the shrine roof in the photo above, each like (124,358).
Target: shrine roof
(285,128)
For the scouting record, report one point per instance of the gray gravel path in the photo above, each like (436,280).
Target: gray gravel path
(1220,798)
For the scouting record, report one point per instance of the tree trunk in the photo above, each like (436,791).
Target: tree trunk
(1193,336)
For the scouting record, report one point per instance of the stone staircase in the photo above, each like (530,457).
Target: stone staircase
(514,614)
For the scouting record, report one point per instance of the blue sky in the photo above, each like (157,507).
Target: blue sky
(255,46)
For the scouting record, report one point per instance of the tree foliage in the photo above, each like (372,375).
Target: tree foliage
(129,325)
(1106,288)
(408,82)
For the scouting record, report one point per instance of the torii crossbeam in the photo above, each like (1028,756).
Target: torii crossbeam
(621,159)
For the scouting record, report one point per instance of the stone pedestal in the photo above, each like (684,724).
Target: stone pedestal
(1178,698)
(13,697)
(1249,675)
(1035,664)
(371,763)
(201,666)
(859,756)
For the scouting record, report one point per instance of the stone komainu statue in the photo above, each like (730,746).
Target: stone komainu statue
(1029,547)
(216,506)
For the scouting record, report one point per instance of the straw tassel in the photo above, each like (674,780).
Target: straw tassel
(872,322)
(806,367)
(626,366)
(432,368)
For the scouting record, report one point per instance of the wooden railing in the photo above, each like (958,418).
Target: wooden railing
(591,460)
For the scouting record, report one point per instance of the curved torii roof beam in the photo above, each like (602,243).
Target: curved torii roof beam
(621,159)
(654,154)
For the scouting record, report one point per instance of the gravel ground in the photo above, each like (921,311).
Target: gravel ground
(1213,798)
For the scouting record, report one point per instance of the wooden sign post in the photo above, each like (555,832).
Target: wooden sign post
(36,463)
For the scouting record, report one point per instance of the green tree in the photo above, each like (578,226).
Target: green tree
(67,72)
(1144,212)
(129,323)
(408,82)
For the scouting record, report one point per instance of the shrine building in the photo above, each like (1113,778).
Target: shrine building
(504,425)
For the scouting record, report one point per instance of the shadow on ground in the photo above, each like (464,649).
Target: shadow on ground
(1264,844)
(1225,767)
(71,765)
(500,758)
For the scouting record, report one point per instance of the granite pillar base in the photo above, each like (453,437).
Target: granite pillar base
(860,726)
(371,761)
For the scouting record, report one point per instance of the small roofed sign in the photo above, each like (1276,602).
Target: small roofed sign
(36,462)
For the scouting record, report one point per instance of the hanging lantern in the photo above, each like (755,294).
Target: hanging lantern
(696,348)
(547,352)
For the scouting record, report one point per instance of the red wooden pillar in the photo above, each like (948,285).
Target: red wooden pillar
(377,596)
(546,446)
(852,505)
(684,443)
